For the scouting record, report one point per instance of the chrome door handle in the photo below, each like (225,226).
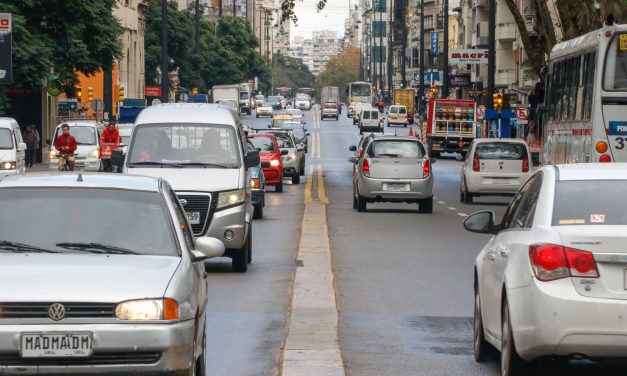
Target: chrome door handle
(491,256)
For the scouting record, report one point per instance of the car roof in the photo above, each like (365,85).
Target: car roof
(590,171)
(7,122)
(386,137)
(82,180)
(198,113)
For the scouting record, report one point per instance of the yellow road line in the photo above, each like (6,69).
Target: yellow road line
(322,194)
(309,185)
(318,146)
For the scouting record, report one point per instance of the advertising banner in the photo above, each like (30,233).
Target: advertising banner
(469,57)
(6,63)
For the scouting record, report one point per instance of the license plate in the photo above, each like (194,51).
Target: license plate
(54,345)
(193,218)
(396,187)
(500,180)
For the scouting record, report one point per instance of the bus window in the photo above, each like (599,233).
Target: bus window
(616,64)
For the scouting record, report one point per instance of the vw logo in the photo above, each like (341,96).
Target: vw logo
(56,311)
(183,202)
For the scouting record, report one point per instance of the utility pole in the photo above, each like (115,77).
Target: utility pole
(234,8)
(420,55)
(491,50)
(197,28)
(390,65)
(404,44)
(165,78)
(445,80)
(381,28)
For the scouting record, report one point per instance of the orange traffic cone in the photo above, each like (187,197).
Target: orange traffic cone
(411,131)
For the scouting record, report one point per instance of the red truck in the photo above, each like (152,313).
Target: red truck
(451,126)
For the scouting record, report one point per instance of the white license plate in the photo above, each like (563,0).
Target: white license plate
(396,187)
(193,218)
(500,180)
(54,345)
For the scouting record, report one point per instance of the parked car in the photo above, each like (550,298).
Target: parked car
(115,284)
(494,167)
(302,102)
(201,150)
(393,169)
(369,121)
(87,154)
(550,282)
(270,153)
(257,184)
(294,159)
(12,148)
(397,115)
(265,109)
(329,109)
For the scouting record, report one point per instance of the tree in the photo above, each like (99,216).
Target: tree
(290,72)
(339,71)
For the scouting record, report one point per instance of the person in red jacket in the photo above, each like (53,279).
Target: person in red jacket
(66,146)
(109,141)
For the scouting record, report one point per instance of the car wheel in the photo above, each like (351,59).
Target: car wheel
(279,187)
(361,203)
(257,116)
(511,363)
(302,168)
(481,346)
(354,201)
(240,259)
(426,205)
(337,118)
(249,259)
(467,197)
(296,179)
(201,362)
(258,211)
(462,196)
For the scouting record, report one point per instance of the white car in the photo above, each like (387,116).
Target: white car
(397,115)
(369,121)
(12,148)
(494,167)
(265,109)
(259,99)
(551,281)
(87,154)
(296,113)
(302,102)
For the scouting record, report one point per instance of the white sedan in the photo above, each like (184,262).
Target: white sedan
(552,281)
(265,109)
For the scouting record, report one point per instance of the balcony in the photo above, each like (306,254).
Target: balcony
(481,42)
(506,32)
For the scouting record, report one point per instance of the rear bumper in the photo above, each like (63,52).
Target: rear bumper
(484,184)
(450,144)
(372,189)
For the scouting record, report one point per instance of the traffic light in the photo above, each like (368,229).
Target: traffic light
(120,93)
(497,101)
(402,85)
(90,93)
(79,93)
(434,90)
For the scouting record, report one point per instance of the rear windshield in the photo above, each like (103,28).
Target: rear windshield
(605,209)
(260,97)
(500,150)
(366,115)
(402,110)
(262,143)
(395,149)
(393,110)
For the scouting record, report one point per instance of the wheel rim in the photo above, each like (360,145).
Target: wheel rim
(477,325)
(505,345)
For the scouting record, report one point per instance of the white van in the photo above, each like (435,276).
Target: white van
(12,148)
(397,115)
(369,121)
(200,149)
(87,152)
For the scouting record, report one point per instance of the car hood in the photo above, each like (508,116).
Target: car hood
(194,179)
(83,277)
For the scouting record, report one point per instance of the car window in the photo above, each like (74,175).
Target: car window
(263,144)
(393,110)
(182,221)
(523,218)
(501,150)
(395,149)
(402,110)
(284,140)
(514,206)
(6,139)
(366,115)
(374,115)
(590,202)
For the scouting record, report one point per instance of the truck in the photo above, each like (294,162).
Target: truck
(330,93)
(225,94)
(245,98)
(451,126)
(405,97)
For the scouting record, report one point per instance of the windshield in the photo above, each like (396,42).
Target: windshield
(83,135)
(243,95)
(302,97)
(263,143)
(183,144)
(284,140)
(616,64)
(260,97)
(297,132)
(501,150)
(395,149)
(136,221)
(6,139)
(606,209)
(294,112)
(360,90)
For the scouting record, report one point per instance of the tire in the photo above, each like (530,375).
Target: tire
(426,205)
(250,248)
(337,118)
(240,259)
(258,211)
(257,116)
(481,346)
(462,196)
(361,204)
(279,187)
(296,179)
(354,202)
(302,168)
(511,363)
(467,197)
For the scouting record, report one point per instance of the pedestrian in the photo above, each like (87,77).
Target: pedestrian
(31,137)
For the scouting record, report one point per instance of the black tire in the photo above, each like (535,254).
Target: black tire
(468,197)
(240,259)
(462,196)
(361,204)
(481,346)
(337,118)
(250,248)
(279,187)
(296,179)
(426,205)
(511,363)
(354,202)
(435,154)
(258,211)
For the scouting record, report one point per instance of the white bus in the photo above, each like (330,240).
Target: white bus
(358,92)
(586,99)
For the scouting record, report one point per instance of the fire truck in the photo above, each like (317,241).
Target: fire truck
(451,126)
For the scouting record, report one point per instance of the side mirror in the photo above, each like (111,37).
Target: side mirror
(307,134)
(251,159)
(352,148)
(117,157)
(432,160)
(352,160)
(265,164)
(21,146)
(284,152)
(481,222)
(207,247)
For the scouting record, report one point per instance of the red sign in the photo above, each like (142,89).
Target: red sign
(5,22)
(152,91)
(522,113)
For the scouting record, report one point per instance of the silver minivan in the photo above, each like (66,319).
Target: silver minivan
(200,149)
(12,148)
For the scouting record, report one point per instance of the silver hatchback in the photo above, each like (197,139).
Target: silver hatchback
(392,169)
(106,277)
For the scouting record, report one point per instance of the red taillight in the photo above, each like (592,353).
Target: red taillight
(551,262)
(426,168)
(365,168)
(525,164)
(475,164)
(605,158)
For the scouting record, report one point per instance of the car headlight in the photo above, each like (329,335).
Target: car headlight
(8,165)
(148,309)
(254,183)
(291,156)
(274,163)
(53,154)
(231,198)
(95,154)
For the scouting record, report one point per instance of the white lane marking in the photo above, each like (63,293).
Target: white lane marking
(462,214)
(451,208)
(441,202)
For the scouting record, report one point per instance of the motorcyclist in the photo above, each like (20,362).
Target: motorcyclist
(66,146)
(109,141)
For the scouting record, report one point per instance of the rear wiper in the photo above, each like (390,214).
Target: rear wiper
(96,248)
(388,155)
(206,164)
(21,247)
(157,163)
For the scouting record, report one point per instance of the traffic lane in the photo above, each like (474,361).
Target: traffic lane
(404,279)
(247,313)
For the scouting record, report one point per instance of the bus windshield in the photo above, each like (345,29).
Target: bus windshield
(360,90)
(616,64)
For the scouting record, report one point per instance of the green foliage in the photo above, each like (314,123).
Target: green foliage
(340,71)
(290,72)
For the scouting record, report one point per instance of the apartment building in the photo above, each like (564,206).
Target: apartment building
(131,65)
(302,48)
(326,45)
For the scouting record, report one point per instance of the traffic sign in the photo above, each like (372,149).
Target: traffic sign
(435,42)
(522,113)
(152,91)
(480,111)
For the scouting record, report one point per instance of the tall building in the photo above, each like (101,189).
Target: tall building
(131,65)
(326,45)
(302,48)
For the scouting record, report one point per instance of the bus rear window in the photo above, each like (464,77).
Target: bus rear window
(616,64)
(597,203)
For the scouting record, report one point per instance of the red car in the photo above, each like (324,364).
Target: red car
(269,152)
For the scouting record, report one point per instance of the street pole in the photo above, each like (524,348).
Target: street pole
(165,79)
(234,8)
(197,28)
(404,44)
(421,55)
(381,28)
(445,80)
(491,51)
(390,62)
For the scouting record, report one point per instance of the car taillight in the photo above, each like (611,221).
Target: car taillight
(475,164)
(605,158)
(426,168)
(551,262)
(525,164)
(365,168)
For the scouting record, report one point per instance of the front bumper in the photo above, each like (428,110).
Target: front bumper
(234,219)
(551,318)
(372,189)
(273,175)
(124,348)
(86,164)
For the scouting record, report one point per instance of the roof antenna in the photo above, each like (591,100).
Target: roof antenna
(80,177)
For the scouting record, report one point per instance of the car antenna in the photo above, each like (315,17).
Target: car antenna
(80,177)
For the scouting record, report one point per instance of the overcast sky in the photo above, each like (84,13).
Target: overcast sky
(330,18)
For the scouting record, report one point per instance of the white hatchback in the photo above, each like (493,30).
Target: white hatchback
(494,167)
(87,152)
(551,282)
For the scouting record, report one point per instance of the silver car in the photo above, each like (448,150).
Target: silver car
(392,169)
(106,278)
(329,109)
(294,160)
(551,282)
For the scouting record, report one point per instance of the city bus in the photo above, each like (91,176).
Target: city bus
(358,92)
(585,117)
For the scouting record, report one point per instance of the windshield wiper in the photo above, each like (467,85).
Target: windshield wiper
(85,143)
(21,247)
(157,163)
(388,155)
(220,165)
(96,248)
